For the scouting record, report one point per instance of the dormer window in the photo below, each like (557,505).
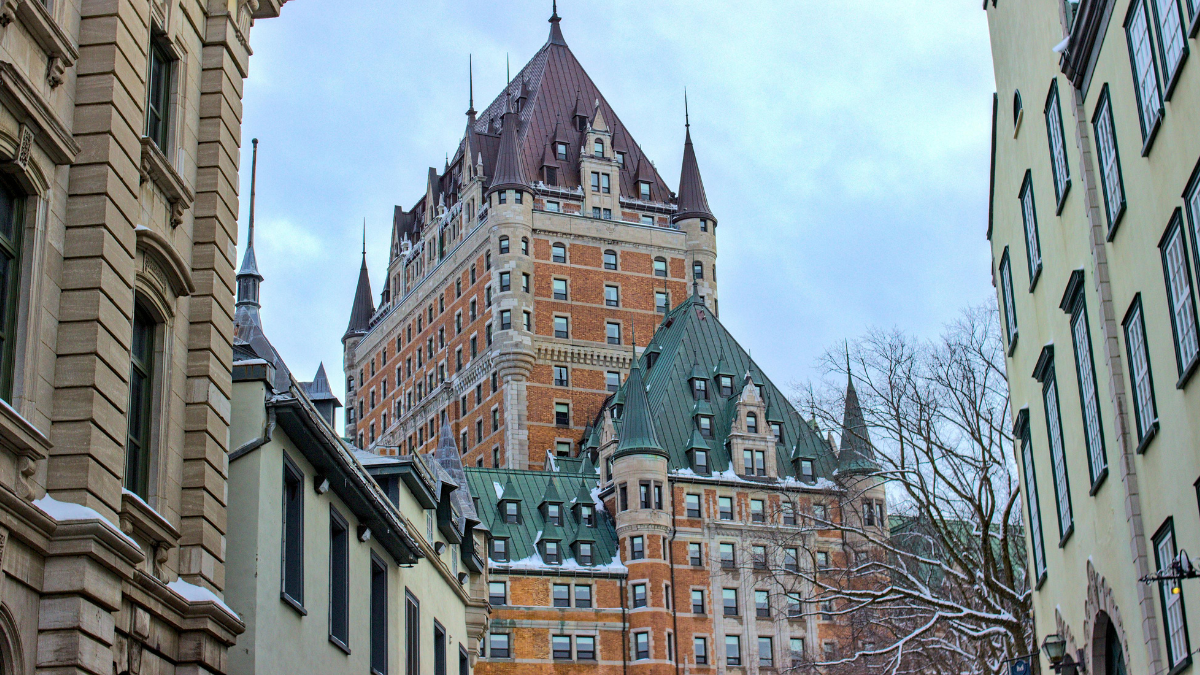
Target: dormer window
(551,175)
(512,512)
(554,514)
(700,461)
(598,148)
(583,553)
(581,123)
(777,431)
(560,151)
(751,423)
(644,191)
(726,384)
(550,553)
(587,515)
(755,462)
(499,550)
(806,469)
(621,159)
(700,389)
(705,424)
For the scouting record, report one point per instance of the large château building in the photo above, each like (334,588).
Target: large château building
(1094,231)
(519,281)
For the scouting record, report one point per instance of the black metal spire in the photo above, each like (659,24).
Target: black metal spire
(248,277)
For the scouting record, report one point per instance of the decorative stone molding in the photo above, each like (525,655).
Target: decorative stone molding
(61,52)
(1100,610)
(163,263)
(137,518)
(557,352)
(8,12)
(155,167)
(19,94)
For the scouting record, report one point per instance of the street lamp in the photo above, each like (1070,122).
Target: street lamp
(1055,648)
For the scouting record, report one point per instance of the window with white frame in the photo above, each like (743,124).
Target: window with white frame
(1058,463)
(1179,294)
(1037,541)
(1061,173)
(1172,43)
(1009,304)
(1145,73)
(1171,596)
(1033,246)
(1141,379)
(1093,426)
(1111,182)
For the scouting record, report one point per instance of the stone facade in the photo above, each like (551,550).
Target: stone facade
(1093,227)
(119,147)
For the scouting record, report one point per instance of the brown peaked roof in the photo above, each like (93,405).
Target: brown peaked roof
(509,170)
(692,201)
(364,306)
(555,81)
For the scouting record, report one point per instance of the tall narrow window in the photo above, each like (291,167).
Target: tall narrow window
(1172,43)
(660,267)
(1171,595)
(1008,302)
(1058,151)
(1031,499)
(1144,408)
(1058,462)
(339,580)
(292,586)
(558,253)
(733,650)
(641,646)
(141,397)
(700,649)
(412,636)
(158,97)
(1179,295)
(1033,246)
(1145,73)
(379,614)
(1093,427)
(610,260)
(10,274)
(1111,181)
(439,649)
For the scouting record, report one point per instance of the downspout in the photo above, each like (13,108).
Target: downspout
(255,443)
(624,630)
(674,588)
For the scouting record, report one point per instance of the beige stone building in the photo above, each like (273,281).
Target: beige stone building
(119,152)
(1093,224)
(340,560)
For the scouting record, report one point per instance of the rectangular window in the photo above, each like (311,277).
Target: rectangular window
(639,595)
(762,604)
(158,99)
(561,376)
(560,289)
(561,647)
(641,646)
(1171,596)
(612,296)
(1144,407)
(1093,427)
(560,327)
(551,206)
(439,649)
(562,414)
(693,505)
(1032,502)
(1145,72)
(498,645)
(637,548)
(725,508)
(758,554)
(612,381)
(339,580)
(660,267)
(728,559)
(562,595)
(700,648)
(794,609)
(1111,181)
(1172,43)
(757,514)
(292,588)
(613,332)
(585,648)
(1058,152)
(1179,295)
(526,322)
(379,616)
(695,554)
(796,647)
(595,181)
(505,281)
(497,594)
(698,601)
(662,302)
(583,596)
(1008,301)
(729,601)
(733,650)
(607,214)
(141,403)
(1062,490)
(605,184)
(412,635)
(1033,246)
(766,653)
(584,553)
(791,559)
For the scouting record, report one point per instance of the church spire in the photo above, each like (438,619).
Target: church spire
(364,306)
(556,36)
(248,277)
(693,203)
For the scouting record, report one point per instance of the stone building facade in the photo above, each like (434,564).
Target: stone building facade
(119,152)
(517,283)
(674,542)
(1094,224)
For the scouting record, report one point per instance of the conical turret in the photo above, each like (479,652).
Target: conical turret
(856,455)
(637,422)
(509,174)
(693,203)
(364,306)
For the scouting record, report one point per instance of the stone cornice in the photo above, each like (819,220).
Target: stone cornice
(567,352)
(29,106)
(155,167)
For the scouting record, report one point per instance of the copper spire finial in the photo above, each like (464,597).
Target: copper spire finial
(470,86)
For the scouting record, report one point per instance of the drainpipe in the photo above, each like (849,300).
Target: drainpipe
(674,588)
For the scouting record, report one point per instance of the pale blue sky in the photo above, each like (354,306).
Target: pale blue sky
(844,149)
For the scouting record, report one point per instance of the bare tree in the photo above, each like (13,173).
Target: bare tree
(939,585)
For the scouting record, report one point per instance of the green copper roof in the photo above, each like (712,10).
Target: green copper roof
(529,487)
(637,430)
(698,373)
(691,335)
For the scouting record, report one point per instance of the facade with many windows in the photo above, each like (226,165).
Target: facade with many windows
(1094,226)
(518,281)
(120,137)
(676,540)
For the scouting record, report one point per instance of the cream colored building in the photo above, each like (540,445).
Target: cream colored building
(119,151)
(331,569)
(1093,225)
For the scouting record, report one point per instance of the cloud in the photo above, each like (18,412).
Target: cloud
(844,148)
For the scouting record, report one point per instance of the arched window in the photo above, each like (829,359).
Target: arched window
(142,376)
(503,245)
(558,253)
(660,267)
(598,149)
(610,260)
(1017,107)
(751,423)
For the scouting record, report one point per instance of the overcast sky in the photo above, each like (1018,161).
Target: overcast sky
(844,149)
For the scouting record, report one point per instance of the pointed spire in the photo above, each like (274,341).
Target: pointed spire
(692,201)
(637,428)
(471,88)
(556,36)
(248,277)
(855,455)
(509,174)
(364,306)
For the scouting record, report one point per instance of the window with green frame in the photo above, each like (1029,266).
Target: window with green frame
(11,211)
(158,96)
(141,396)
(1179,653)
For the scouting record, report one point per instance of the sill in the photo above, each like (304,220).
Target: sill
(1041,580)
(1112,229)
(376,671)
(1183,665)
(1150,434)
(50,37)
(1154,127)
(157,168)
(1170,88)
(340,645)
(1012,343)
(1037,274)
(1066,535)
(1062,200)
(293,603)
(1098,482)
(1188,372)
